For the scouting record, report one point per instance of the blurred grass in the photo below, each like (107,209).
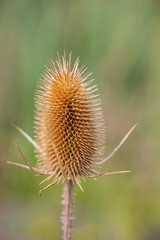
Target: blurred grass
(119,42)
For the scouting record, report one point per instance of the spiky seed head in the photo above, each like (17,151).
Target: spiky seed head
(69,123)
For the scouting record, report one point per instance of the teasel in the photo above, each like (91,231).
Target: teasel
(69,130)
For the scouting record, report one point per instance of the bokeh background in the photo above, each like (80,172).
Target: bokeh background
(119,41)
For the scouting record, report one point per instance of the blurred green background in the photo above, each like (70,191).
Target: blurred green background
(119,41)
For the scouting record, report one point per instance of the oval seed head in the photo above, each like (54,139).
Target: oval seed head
(69,123)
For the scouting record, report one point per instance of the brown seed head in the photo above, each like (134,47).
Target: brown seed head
(69,123)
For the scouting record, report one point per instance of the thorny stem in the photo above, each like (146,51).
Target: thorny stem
(67,210)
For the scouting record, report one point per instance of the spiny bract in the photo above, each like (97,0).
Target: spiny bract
(69,123)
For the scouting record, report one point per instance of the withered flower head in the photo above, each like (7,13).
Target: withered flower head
(69,122)
(69,126)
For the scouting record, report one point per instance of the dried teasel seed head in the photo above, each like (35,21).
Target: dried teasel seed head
(69,123)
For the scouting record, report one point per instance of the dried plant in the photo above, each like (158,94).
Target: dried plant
(69,131)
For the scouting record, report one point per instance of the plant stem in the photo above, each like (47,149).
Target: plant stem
(67,210)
